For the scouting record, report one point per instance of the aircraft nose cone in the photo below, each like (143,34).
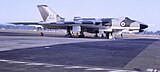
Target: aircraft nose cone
(143,26)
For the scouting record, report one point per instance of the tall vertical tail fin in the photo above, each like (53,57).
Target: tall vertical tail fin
(48,14)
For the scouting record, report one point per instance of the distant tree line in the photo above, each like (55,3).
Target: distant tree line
(151,32)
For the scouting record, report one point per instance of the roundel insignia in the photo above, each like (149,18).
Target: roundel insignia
(123,24)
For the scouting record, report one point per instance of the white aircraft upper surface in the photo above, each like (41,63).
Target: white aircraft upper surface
(101,26)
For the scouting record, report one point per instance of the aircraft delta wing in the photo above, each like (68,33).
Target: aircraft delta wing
(100,26)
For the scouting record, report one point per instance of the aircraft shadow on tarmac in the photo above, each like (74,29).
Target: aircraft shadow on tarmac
(101,53)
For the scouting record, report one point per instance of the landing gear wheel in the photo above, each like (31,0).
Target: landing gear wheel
(81,36)
(96,35)
(102,36)
(81,33)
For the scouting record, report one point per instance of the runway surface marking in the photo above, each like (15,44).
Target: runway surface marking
(65,66)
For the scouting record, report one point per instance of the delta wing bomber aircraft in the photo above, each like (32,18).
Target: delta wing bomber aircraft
(101,27)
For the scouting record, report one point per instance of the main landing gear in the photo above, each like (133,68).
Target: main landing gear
(69,34)
(76,34)
(103,35)
(107,35)
(81,34)
(96,34)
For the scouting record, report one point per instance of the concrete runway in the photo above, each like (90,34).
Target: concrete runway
(21,52)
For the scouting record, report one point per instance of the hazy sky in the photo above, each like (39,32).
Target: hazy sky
(146,11)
